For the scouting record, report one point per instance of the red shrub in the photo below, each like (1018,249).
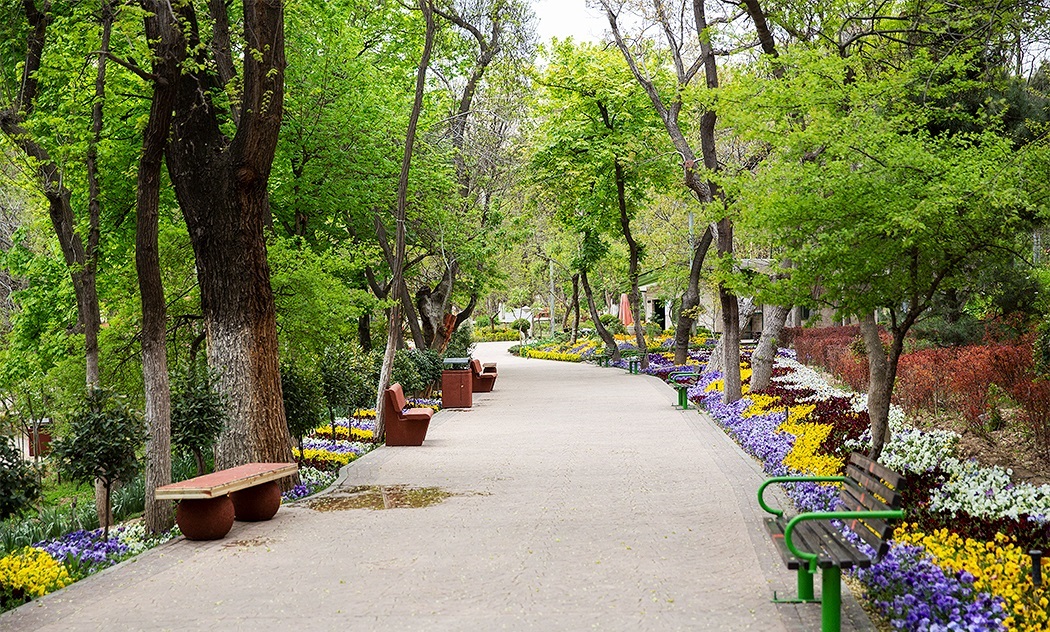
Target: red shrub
(813,346)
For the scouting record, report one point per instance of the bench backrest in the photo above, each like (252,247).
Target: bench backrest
(475,366)
(395,398)
(877,489)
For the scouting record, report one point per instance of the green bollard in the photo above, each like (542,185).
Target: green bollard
(831,600)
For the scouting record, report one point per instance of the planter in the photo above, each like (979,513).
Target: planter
(205,518)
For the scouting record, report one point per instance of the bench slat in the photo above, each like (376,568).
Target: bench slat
(225,481)
(875,485)
(776,529)
(893,479)
(860,499)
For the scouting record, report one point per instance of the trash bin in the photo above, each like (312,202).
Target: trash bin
(456,388)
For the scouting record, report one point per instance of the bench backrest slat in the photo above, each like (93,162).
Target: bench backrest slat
(888,476)
(860,499)
(874,485)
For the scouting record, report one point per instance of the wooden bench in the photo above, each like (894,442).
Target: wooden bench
(209,504)
(404,427)
(483,377)
(808,541)
(682,387)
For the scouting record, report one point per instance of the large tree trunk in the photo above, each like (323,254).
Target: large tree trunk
(690,299)
(882,374)
(745,310)
(394,325)
(610,342)
(168,51)
(433,304)
(364,331)
(221,185)
(766,351)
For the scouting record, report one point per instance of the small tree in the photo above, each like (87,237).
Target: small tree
(522,324)
(101,443)
(19,483)
(198,415)
(346,379)
(304,401)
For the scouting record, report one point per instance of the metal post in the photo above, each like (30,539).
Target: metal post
(1037,567)
(831,600)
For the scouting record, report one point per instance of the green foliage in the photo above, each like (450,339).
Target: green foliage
(348,377)
(461,342)
(1041,349)
(101,441)
(198,414)
(416,369)
(522,324)
(938,331)
(613,324)
(304,401)
(19,483)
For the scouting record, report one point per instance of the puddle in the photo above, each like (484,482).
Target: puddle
(379,497)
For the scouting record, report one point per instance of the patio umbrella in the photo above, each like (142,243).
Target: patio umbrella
(625,311)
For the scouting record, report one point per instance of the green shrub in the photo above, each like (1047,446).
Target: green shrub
(522,324)
(461,344)
(19,482)
(613,324)
(198,414)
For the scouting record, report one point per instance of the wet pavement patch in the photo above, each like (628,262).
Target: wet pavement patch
(378,497)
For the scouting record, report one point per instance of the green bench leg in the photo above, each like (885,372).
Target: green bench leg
(805,584)
(830,599)
(683,397)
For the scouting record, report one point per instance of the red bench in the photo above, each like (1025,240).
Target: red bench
(209,504)
(404,427)
(483,378)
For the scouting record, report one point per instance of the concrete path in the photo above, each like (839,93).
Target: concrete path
(581,498)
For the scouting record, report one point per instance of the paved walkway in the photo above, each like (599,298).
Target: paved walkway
(581,499)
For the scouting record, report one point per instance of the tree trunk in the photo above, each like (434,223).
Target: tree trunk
(745,309)
(399,215)
(603,333)
(766,351)
(882,374)
(221,185)
(168,50)
(730,320)
(635,254)
(433,304)
(575,307)
(691,299)
(364,331)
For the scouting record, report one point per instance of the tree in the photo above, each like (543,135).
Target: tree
(598,149)
(303,399)
(100,443)
(221,183)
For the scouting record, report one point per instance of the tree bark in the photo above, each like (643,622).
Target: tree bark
(394,325)
(603,333)
(634,254)
(766,351)
(221,186)
(882,375)
(433,304)
(690,299)
(168,53)
(745,309)
(364,331)
(575,307)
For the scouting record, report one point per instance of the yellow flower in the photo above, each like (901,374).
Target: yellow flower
(32,572)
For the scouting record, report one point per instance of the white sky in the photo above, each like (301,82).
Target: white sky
(562,18)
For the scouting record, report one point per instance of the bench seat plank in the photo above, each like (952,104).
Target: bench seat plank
(225,481)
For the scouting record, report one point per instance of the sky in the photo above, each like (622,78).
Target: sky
(562,18)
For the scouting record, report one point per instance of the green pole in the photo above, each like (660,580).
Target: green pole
(831,600)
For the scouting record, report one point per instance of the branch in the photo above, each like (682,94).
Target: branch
(138,70)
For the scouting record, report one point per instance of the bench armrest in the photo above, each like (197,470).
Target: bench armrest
(811,558)
(793,479)
(677,374)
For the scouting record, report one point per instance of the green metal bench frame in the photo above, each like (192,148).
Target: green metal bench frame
(683,389)
(870,494)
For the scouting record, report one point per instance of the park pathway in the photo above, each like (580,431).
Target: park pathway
(580,498)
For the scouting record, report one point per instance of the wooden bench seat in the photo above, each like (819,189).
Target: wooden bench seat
(810,540)
(209,504)
(483,377)
(404,427)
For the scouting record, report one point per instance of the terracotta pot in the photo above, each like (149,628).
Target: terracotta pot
(256,503)
(205,518)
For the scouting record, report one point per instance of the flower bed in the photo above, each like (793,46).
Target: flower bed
(975,574)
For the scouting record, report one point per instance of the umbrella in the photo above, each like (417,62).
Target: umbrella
(625,311)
